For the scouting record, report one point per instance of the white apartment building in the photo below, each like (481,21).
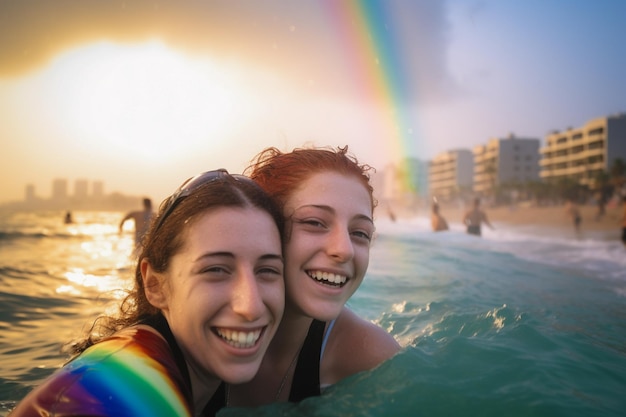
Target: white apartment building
(510,160)
(450,173)
(581,153)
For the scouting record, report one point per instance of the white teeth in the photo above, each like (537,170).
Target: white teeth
(239,339)
(329,277)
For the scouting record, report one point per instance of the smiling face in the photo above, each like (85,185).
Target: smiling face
(223,294)
(330,228)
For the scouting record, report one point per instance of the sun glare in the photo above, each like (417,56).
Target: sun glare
(145,98)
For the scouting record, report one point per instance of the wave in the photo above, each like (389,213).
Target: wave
(14,235)
(597,258)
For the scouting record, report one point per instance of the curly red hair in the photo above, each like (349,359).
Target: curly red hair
(280,173)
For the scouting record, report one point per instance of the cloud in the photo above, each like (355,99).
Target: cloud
(297,40)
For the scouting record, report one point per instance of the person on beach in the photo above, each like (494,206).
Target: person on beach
(474,218)
(624,220)
(207,299)
(574,213)
(328,204)
(437,221)
(142,221)
(601,202)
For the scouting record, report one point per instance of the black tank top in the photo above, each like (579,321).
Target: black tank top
(306,377)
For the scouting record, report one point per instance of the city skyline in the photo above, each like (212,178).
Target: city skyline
(60,188)
(80,197)
(182,88)
(384,189)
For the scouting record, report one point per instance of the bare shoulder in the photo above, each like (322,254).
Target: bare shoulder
(355,345)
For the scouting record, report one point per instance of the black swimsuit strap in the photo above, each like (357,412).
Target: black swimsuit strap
(306,377)
(217,402)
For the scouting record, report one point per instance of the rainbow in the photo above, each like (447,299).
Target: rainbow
(371,41)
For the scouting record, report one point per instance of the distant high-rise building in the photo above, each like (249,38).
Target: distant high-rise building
(408,179)
(59,189)
(584,152)
(98,189)
(418,176)
(81,189)
(29,193)
(510,160)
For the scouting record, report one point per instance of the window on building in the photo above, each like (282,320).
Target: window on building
(597,131)
(596,145)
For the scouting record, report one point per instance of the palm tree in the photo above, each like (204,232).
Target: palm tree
(617,171)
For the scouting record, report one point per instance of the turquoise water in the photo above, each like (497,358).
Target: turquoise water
(508,324)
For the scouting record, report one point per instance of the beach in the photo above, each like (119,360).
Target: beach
(546,221)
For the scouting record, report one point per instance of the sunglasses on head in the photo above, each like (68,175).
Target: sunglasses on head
(190,186)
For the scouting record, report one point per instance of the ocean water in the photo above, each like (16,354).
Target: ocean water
(509,324)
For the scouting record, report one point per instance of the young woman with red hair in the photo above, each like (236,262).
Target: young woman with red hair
(328,204)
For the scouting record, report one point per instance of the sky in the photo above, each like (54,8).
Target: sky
(144,94)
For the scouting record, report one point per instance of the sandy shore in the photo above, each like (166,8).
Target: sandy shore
(545,220)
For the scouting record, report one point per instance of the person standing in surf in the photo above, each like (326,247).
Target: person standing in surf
(572,210)
(437,221)
(474,218)
(141,219)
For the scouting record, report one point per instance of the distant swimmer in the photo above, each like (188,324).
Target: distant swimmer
(68,218)
(437,221)
(474,218)
(141,219)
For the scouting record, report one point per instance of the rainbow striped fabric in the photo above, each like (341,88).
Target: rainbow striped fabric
(132,373)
